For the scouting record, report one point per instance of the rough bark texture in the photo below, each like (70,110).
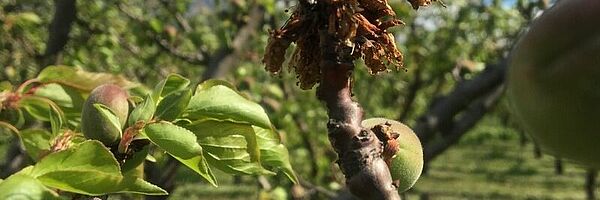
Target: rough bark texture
(359,150)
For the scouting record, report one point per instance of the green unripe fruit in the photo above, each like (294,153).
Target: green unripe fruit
(93,124)
(554,81)
(407,163)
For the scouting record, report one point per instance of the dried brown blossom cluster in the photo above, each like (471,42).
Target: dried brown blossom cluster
(361,24)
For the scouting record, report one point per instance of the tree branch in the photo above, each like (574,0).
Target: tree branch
(441,112)
(65,13)
(469,119)
(227,58)
(181,21)
(192,58)
(359,150)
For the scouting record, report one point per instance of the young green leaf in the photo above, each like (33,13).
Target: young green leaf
(62,95)
(39,107)
(213,82)
(109,116)
(136,159)
(143,111)
(8,126)
(229,154)
(21,186)
(229,146)
(12,117)
(36,142)
(215,128)
(80,79)
(173,105)
(90,169)
(173,83)
(224,103)
(56,121)
(273,153)
(182,145)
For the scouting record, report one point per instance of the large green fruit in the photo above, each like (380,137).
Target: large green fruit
(554,81)
(93,124)
(407,164)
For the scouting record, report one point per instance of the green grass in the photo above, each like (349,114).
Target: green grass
(496,169)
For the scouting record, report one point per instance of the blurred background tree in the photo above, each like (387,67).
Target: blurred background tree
(451,93)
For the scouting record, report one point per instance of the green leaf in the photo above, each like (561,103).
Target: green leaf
(224,103)
(38,110)
(63,96)
(109,116)
(21,186)
(25,171)
(10,127)
(56,121)
(39,107)
(68,99)
(80,79)
(181,144)
(173,83)
(229,146)
(13,117)
(36,142)
(89,156)
(213,82)
(25,18)
(150,158)
(273,153)
(142,112)
(95,183)
(173,105)
(136,159)
(156,25)
(90,169)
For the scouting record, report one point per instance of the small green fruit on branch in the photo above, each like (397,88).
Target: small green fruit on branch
(403,151)
(96,126)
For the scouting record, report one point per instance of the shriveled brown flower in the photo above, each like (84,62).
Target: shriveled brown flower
(361,24)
